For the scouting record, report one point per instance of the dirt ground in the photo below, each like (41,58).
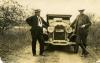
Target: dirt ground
(16,48)
(58,55)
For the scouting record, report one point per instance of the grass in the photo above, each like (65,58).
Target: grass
(12,41)
(94,38)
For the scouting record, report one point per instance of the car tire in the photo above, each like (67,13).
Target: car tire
(76,48)
(47,46)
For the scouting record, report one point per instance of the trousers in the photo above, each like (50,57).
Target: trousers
(37,34)
(81,41)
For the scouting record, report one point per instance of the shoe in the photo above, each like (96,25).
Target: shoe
(34,54)
(86,54)
(82,55)
(42,54)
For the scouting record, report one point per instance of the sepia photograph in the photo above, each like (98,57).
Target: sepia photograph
(49,31)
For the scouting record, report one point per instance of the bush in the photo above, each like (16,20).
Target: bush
(11,14)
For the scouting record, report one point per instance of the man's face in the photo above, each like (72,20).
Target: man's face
(37,13)
(81,12)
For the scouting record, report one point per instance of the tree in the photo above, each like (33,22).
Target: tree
(11,14)
(94,32)
(92,17)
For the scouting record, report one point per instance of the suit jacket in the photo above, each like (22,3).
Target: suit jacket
(79,21)
(33,22)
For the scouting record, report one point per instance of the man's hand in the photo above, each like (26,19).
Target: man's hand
(44,31)
(82,26)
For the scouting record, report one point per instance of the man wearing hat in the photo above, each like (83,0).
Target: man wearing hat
(81,25)
(37,23)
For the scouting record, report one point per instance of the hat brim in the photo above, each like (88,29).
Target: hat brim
(37,11)
(81,10)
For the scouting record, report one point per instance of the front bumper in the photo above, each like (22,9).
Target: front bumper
(60,42)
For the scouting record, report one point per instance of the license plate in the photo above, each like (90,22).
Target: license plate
(59,30)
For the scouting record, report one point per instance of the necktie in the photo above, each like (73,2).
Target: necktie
(39,22)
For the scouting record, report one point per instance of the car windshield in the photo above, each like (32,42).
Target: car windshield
(57,17)
(63,18)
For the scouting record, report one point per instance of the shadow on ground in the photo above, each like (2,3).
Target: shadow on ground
(64,49)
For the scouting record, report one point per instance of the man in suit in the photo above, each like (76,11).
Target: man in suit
(81,25)
(37,23)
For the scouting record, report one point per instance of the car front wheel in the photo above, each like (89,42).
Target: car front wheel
(76,48)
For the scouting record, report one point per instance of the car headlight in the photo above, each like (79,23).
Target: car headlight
(69,30)
(50,39)
(50,29)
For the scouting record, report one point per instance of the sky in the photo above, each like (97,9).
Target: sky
(63,6)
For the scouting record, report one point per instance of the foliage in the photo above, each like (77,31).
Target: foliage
(11,13)
(94,32)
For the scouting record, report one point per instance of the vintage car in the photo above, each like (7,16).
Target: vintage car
(59,30)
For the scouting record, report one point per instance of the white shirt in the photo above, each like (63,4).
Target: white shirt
(1,60)
(39,21)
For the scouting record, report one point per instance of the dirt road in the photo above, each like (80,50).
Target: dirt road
(16,48)
(52,56)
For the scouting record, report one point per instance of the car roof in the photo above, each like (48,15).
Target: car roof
(58,15)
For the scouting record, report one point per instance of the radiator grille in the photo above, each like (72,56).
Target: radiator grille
(59,35)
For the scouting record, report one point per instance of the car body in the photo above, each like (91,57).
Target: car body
(59,30)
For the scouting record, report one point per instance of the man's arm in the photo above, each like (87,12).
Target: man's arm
(45,24)
(28,20)
(88,22)
(73,24)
